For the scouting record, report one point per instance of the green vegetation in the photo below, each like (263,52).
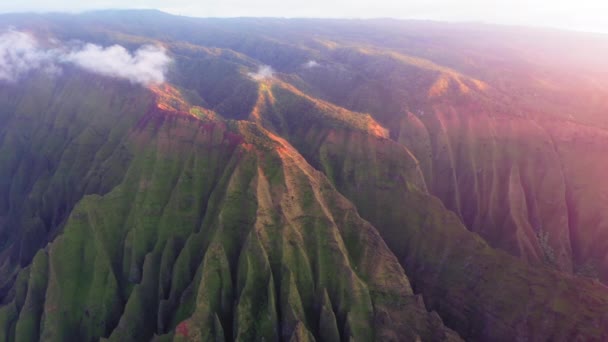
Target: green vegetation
(331,203)
(214,232)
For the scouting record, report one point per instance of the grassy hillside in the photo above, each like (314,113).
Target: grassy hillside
(470,284)
(61,139)
(217,230)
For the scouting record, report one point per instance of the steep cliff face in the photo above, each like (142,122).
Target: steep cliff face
(469,283)
(60,140)
(581,151)
(219,229)
(503,160)
(389,181)
(503,177)
(455,269)
(531,187)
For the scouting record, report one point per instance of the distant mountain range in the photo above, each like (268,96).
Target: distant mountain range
(179,179)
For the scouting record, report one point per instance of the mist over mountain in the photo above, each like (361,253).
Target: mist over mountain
(21,53)
(170,178)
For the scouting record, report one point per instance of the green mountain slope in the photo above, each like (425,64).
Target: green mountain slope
(471,285)
(218,229)
(55,148)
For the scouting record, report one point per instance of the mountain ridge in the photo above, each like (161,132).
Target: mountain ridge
(329,200)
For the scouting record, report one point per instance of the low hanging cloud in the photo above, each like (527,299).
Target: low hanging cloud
(311,64)
(147,65)
(20,53)
(264,72)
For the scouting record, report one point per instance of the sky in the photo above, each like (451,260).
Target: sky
(581,15)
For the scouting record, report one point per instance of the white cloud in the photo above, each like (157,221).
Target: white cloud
(264,71)
(52,70)
(147,65)
(311,64)
(21,53)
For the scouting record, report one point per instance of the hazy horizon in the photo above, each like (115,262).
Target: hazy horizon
(583,15)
